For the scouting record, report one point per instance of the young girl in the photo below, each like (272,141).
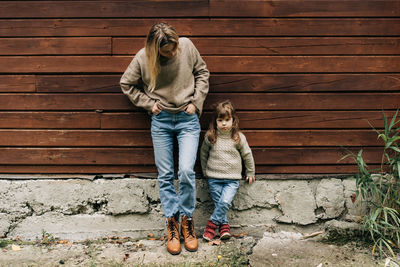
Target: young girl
(221,154)
(169,79)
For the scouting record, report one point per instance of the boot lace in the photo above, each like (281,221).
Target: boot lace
(171,227)
(190,227)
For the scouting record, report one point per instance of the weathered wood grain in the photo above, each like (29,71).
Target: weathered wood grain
(77,169)
(254,101)
(141,120)
(144,156)
(105,9)
(260,8)
(265,120)
(56,46)
(230,83)
(64,102)
(96,83)
(309,169)
(50,120)
(142,138)
(214,8)
(304,101)
(17,83)
(278,45)
(304,76)
(304,82)
(220,64)
(203,27)
(132,170)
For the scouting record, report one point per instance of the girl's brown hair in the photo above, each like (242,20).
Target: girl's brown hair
(160,34)
(223,109)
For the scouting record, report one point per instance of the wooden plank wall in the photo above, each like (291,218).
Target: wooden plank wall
(304,75)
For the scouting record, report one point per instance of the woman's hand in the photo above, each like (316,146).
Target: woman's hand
(156,108)
(250,179)
(190,109)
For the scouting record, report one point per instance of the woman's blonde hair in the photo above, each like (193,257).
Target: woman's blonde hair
(160,34)
(223,110)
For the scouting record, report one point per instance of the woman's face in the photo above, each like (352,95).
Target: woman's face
(169,50)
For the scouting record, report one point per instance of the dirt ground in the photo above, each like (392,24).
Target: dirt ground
(272,250)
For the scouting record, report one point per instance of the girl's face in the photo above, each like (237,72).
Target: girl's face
(224,124)
(169,50)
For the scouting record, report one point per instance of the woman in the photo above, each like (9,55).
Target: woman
(169,79)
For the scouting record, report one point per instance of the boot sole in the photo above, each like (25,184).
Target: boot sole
(175,253)
(191,250)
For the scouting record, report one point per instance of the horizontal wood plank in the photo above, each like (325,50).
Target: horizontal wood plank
(203,27)
(141,120)
(142,156)
(56,46)
(304,82)
(79,83)
(259,101)
(50,120)
(270,64)
(304,101)
(77,156)
(77,169)
(265,120)
(278,46)
(17,83)
(309,8)
(135,170)
(215,8)
(309,169)
(228,83)
(221,64)
(64,102)
(142,138)
(105,9)
(64,64)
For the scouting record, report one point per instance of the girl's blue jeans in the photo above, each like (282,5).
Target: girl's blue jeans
(164,127)
(222,192)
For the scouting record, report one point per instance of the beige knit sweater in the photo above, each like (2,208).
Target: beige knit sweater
(181,80)
(223,160)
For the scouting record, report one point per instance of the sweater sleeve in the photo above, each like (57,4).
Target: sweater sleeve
(130,85)
(204,153)
(247,156)
(201,76)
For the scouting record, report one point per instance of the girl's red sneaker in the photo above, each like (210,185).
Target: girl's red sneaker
(225,231)
(209,232)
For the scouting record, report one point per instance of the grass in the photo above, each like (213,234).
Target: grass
(379,189)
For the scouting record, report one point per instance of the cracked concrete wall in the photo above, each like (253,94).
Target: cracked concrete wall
(79,209)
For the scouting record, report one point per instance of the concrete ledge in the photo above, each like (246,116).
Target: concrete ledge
(77,209)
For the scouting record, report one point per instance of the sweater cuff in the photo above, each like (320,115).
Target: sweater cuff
(250,174)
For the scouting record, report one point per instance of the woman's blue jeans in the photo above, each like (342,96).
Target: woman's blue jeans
(222,192)
(186,127)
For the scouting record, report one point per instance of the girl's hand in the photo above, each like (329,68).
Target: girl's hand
(250,179)
(190,109)
(156,108)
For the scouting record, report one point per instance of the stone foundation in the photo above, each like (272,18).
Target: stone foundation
(78,209)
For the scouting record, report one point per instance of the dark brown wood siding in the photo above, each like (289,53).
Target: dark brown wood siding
(305,76)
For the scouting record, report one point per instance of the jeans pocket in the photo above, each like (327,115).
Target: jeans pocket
(158,114)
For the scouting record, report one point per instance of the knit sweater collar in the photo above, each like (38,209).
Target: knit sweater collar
(224,134)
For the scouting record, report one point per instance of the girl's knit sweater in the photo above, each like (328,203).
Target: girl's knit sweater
(223,160)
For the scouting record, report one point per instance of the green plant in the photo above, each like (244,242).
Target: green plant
(380,190)
(4,243)
(47,238)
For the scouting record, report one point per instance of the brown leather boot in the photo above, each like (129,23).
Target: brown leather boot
(173,242)
(187,230)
